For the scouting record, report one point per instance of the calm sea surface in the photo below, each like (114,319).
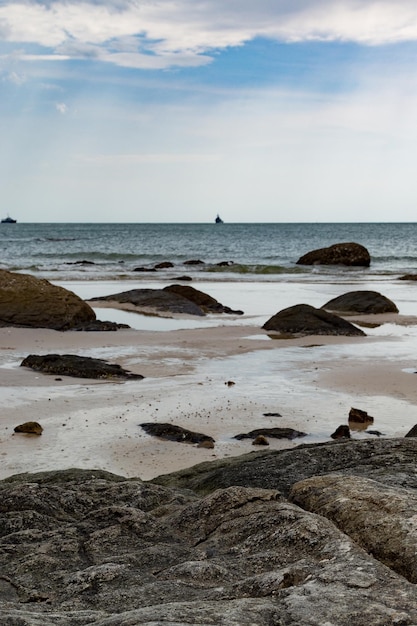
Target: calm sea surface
(259,252)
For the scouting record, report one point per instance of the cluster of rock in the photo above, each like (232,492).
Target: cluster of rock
(315,535)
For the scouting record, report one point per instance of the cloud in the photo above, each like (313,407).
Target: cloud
(168,33)
(62,108)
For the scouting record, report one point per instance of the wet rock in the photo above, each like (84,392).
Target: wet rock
(158,300)
(30,428)
(32,302)
(411,277)
(303,319)
(412,432)
(341,432)
(276,433)
(225,263)
(183,278)
(363,302)
(144,269)
(175,433)
(260,440)
(164,265)
(99,326)
(360,417)
(194,262)
(83,262)
(351,254)
(207,303)
(77,366)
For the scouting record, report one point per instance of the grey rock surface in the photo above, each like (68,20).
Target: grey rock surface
(77,366)
(349,253)
(315,535)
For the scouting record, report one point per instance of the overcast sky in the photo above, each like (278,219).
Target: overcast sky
(176,110)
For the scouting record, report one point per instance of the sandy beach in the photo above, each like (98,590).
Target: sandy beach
(312,382)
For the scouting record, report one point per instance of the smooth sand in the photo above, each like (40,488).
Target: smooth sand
(312,382)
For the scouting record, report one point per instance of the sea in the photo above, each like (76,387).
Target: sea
(254,265)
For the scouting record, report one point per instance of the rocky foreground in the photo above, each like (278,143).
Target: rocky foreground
(322,534)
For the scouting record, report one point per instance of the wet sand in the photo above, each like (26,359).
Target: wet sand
(312,382)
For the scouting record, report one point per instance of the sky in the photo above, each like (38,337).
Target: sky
(176,110)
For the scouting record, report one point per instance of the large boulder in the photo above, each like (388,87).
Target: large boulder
(364,302)
(303,319)
(77,366)
(36,303)
(353,254)
(88,547)
(174,299)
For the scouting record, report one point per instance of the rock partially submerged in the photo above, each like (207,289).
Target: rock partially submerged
(303,319)
(174,299)
(77,366)
(88,547)
(364,302)
(36,303)
(351,254)
(172,432)
(275,433)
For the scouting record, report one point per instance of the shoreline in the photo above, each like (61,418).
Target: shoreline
(311,381)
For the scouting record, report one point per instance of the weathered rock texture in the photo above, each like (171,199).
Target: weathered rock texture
(303,319)
(171,299)
(82,548)
(275,433)
(77,366)
(352,254)
(366,302)
(29,428)
(36,303)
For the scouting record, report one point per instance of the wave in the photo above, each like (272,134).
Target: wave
(241,268)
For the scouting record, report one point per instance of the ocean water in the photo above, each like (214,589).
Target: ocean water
(255,252)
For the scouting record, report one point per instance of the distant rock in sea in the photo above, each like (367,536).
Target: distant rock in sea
(351,254)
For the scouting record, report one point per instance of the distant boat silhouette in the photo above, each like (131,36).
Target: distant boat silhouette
(8,220)
(218,219)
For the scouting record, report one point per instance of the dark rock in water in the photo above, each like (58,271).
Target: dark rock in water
(365,302)
(341,432)
(144,269)
(88,547)
(157,299)
(30,428)
(36,303)
(411,277)
(225,263)
(175,433)
(272,414)
(193,262)
(351,254)
(303,319)
(77,366)
(260,440)
(359,416)
(164,265)
(183,278)
(207,303)
(412,432)
(80,263)
(276,433)
(99,326)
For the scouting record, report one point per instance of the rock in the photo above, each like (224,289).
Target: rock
(164,265)
(175,433)
(83,262)
(230,383)
(184,278)
(77,366)
(225,263)
(32,302)
(272,414)
(379,518)
(303,319)
(144,269)
(158,300)
(341,432)
(360,417)
(276,433)
(99,326)
(87,547)
(412,432)
(364,302)
(31,428)
(206,443)
(260,440)
(207,303)
(412,277)
(193,262)
(352,254)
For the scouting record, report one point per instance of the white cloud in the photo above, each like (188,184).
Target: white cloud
(61,107)
(184,32)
